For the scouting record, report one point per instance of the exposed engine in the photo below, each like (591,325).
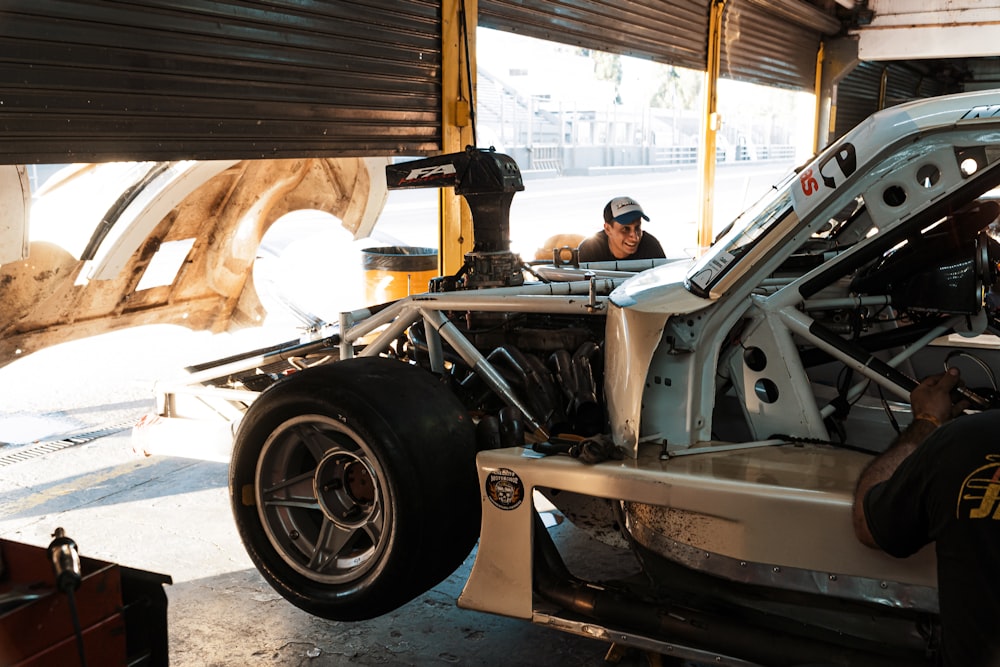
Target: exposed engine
(551,361)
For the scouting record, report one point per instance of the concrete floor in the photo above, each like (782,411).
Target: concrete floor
(170,514)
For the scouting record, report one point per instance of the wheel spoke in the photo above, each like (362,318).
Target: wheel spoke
(315,441)
(374,527)
(305,479)
(332,540)
(294,492)
(374,532)
(300,504)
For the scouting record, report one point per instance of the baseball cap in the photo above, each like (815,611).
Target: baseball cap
(623,210)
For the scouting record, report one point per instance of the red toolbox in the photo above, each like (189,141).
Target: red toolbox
(122,613)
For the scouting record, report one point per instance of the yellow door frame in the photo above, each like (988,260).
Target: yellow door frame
(455,236)
(711,122)
(818,94)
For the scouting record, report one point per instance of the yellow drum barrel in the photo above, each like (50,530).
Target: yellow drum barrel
(393,272)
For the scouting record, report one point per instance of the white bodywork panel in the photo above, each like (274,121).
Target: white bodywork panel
(738,494)
(146,212)
(115,245)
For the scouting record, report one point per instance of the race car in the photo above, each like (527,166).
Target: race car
(708,416)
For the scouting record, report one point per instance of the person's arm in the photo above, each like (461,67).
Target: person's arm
(932,406)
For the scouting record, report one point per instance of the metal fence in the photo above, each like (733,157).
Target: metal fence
(570,160)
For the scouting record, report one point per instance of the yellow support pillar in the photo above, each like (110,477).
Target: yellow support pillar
(711,122)
(839,57)
(457,97)
(818,91)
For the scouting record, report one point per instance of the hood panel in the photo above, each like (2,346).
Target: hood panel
(53,296)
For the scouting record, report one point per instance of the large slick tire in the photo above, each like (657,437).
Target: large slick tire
(354,486)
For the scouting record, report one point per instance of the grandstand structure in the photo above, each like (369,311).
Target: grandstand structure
(545,134)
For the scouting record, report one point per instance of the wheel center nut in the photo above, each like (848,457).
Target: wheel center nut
(345,488)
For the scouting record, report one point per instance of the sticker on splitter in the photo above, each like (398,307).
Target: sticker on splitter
(504,489)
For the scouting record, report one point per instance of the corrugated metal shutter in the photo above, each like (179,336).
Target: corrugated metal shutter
(667,31)
(858,93)
(857,96)
(767,42)
(905,83)
(760,47)
(216,79)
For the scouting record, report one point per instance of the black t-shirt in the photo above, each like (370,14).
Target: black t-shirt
(948,492)
(596,248)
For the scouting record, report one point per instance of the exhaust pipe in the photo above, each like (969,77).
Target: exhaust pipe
(576,378)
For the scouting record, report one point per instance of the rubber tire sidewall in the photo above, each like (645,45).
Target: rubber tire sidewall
(422,438)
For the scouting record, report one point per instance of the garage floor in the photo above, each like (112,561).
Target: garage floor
(170,514)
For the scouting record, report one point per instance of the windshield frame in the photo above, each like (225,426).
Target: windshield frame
(744,242)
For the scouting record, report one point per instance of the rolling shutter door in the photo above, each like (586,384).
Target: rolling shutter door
(217,79)
(858,93)
(667,31)
(761,47)
(857,97)
(769,42)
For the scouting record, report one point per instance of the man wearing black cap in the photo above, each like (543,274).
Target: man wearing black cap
(622,236)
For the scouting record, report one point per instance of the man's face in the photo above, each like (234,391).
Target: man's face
(623,239)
